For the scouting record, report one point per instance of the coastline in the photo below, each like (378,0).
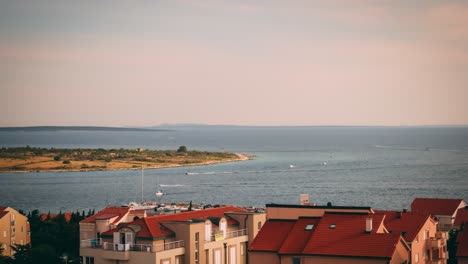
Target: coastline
(240,157)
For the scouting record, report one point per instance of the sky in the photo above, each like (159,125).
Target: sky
(242,62)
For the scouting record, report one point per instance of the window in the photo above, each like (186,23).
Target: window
(232,255)
(21,229)
(89,260)
(426,255)
(197,246)
(208,231)
(426,234)
(416,239)
(21,242)
(309,227)
(296,260)
(259,225)
(217,256)
(4,233)
(332,226)
(416,258)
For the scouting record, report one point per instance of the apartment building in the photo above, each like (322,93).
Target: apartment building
(14,229)
(442,210)
(210,236)
(303,234)
(420,232)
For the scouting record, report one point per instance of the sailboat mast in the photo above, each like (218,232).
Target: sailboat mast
(142,184)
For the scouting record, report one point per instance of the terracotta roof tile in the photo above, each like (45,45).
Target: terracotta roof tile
(299,236)
(272,235)
(435,206)
(348,237)
(119,211)
(462,239)
(153,226)
(461,217)
(3,213)
(408,222)
(67,216)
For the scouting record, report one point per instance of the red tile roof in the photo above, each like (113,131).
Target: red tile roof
(153,226)
(435,206)
(117,211)
(461,217)
(462,239)
(272,235)
(408,222)
(298,237)
(349,238)
(67,216)
(3,212)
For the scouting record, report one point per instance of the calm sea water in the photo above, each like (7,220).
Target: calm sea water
(364,166)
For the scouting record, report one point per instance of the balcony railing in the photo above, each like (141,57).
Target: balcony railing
(97,243)
(436,243)
(231,234)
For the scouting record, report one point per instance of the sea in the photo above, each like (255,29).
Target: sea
(380,167)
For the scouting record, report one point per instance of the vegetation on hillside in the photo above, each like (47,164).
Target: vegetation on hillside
(49,159)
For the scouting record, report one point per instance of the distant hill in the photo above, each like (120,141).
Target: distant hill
(78,128)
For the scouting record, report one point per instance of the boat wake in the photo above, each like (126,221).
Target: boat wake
(171,185)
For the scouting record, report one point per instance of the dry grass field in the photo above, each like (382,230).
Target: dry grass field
(40,159)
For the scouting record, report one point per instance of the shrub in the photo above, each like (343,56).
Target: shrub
(107,159)
(57,158)
(66,162)
(182,149)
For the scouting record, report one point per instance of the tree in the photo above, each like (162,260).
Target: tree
(4,259)
(57,158)
(182,149)
(23,254)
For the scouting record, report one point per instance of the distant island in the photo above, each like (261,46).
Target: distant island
(79,128)
(32,159)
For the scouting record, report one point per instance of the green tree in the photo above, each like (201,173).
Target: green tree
(57,158)
(182,149)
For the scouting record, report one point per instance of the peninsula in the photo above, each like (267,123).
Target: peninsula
(28,159)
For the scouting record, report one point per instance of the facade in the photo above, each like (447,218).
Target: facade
(214,236)
(420,232)
(300,234)
(14,229)
(442,210)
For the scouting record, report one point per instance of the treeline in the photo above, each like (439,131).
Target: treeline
(54,238)
(106,154)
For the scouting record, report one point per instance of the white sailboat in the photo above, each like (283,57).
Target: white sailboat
(142,205)
(160,192)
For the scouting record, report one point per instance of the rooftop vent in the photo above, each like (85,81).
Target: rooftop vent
(309,227)
(332,226)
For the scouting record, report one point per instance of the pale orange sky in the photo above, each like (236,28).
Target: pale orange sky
(140,63)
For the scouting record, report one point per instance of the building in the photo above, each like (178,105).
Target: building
(462,245)
(420,232)
(213,236)
(442,210)
(14,229)
(67,216)
(302,234)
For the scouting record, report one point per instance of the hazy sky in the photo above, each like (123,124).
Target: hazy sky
(257,62)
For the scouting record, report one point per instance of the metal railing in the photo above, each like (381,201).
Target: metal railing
(97,243)
(231,234)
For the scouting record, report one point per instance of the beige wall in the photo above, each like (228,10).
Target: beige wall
(264,258)
(253,222)
(16,234)
(423,245)
(295,213)
(401,254)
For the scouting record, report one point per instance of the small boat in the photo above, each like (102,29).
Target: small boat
(291,166)
(160,193)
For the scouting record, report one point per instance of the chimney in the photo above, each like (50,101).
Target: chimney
(368,225)
(304,199)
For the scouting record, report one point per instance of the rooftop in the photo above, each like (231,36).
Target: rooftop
(435,206)
(408,224)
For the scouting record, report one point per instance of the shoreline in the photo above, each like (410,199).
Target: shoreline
(240,157)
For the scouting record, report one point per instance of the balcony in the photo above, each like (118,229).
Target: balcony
(441,235)
(436,243)
(230,234)
(97,243)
